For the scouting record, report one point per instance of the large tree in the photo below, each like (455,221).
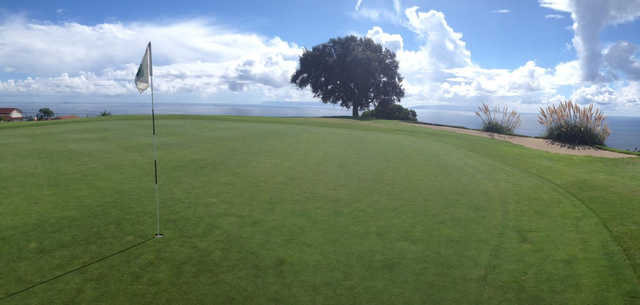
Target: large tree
(353,71)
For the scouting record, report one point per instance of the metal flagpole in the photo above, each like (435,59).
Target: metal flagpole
(155,148)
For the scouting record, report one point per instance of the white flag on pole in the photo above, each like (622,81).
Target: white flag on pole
(145,71)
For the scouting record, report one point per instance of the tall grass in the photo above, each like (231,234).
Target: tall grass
(569,123)
(498,119)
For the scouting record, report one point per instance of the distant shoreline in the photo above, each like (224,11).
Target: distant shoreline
(625,130)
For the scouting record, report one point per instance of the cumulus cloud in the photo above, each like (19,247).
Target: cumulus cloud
(618,96)
(596,93)
(189,56)
(82,83)
(441,70)
(198,58)
(392,42)
(378,13)
(630,94)
(620,57)
(527,84)
(443,46)
(589,18)
(42,47)
(567,74)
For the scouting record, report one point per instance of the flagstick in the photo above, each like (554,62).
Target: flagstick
(155,150)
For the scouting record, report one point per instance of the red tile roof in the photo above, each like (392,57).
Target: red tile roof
(8,110)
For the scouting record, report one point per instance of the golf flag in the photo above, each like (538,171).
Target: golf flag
(144,80)
(145,71)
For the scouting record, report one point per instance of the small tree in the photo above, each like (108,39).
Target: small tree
(105,113)
(353,71)
(45,114)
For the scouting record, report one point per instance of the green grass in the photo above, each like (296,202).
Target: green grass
(622,151)
(309,211)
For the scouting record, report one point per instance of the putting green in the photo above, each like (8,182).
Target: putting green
(309,211)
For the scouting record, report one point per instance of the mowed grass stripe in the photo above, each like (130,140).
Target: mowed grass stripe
(610,188)
(305,211)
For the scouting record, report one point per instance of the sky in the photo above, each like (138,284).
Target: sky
(525,54)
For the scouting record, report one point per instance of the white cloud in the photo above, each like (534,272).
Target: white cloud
(620,57)
(379,13)
(501,11)
(527,84)
(88,83)
(597,93)
(190,57)
(553,16)
(623,97)
(567,74)
(589,18)
(441,71)
(201,59)
(443,46)
(392,42)
(397,6)
(69,47)
(630,94)
(358,4)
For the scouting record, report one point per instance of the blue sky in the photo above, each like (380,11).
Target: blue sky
(522,53)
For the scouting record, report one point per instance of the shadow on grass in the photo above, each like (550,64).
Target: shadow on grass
(75,269)
(571,146)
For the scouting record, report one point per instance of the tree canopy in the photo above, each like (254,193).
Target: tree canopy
(45,114)
(353,71)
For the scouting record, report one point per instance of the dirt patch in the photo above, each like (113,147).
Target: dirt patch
(536,143)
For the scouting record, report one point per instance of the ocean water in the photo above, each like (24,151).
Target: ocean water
(275,109)
(625,131)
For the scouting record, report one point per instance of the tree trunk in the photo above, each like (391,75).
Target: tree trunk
(355,112)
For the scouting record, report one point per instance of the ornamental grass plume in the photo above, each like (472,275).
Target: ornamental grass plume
(498,119)
(571,124)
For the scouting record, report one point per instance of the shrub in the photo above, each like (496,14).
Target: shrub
(571,124)
(498,119)
(390,111)
(105,113)
(368,115)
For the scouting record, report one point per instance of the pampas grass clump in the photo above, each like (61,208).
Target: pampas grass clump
(498,119)
(571,124)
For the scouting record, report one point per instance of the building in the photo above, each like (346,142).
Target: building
(11,114)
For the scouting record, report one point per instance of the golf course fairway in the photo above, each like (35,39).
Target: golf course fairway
(308,211)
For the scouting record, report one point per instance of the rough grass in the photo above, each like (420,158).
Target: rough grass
(310,211)
(622,151)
